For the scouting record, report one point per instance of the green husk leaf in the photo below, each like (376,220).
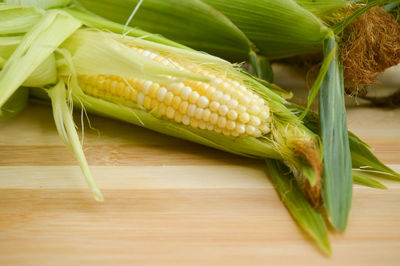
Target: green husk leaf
(94,21)
(94,54)
(318,82)
(261,67)
(367,181)
(193,24)
(322,7)
(279,29)
(15,104)
(39,3)
(52,30)
(16,19)
(66,129)
(337,185)
(291,195)
(363,158)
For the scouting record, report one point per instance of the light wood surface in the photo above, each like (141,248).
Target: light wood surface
(170,202)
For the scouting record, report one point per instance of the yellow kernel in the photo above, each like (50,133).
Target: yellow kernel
(154,104)
(168,98)
(170,112)
(176,101)
(147,102)
(133,95)
(153,90)
(163,108)
(194,123)
(178,117)
(183,107)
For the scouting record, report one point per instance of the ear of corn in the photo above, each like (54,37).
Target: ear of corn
(169,90)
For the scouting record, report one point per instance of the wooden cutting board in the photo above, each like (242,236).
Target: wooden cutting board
(170,202)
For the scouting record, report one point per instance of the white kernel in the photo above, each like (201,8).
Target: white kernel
(245,100)
(255,121)
(232,115)
(240,128)
(221,122)
(170,112)
(264,115)
(161,94)
(146,87)
(186,120)
(233,104)
(244,117)
(241,109)
(213,118)
(236,84)
(223,110)
(191,110)
(254,109)
(210,126)
(217,95)
(165,62)
(206,115)
(257,133)
(203,102)
(140,98)
(216,81)
(230,125)
(265,128)
(186,92)
(193,97)
(199,113)
(250,130)
(260,101)
(214,106)
(225,99)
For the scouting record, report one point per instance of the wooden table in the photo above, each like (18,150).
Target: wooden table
(172,202)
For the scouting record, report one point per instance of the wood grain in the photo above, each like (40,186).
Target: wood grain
(170,202)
